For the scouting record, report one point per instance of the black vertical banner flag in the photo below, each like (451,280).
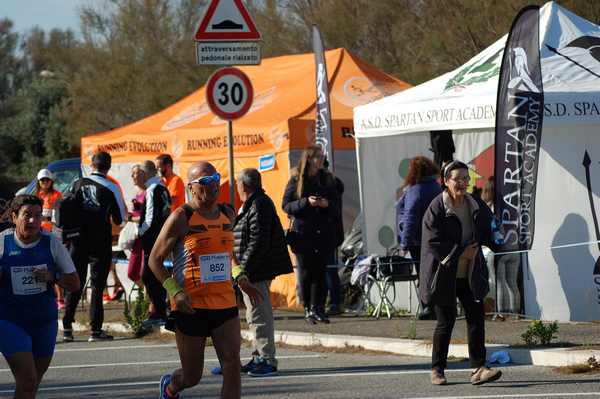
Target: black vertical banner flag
(323,129)
(519,112)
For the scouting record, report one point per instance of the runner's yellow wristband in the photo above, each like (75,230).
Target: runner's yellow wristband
(237,272)
(172,287)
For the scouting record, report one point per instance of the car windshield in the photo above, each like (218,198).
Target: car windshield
(64,178)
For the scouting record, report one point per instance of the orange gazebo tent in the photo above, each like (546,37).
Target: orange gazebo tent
(280,124)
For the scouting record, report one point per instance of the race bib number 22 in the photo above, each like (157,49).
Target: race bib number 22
(24,281)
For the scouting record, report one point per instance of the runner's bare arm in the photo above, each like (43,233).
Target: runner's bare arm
(174,229)
(69,282)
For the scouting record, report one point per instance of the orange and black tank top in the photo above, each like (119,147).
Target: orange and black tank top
(202,262)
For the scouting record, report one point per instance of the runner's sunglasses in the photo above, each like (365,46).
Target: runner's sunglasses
(206,180)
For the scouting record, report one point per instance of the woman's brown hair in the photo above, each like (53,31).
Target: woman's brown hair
(302,171)
(419,168)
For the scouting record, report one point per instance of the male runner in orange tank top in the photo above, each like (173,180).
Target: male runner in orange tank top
(200,236)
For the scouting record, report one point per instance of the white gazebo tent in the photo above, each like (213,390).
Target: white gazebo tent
(558,280)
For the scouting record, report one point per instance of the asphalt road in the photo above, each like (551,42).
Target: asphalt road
(127,368)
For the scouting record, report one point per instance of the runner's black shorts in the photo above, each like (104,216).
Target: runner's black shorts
(202,323)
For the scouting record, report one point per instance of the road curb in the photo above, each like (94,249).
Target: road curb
(554,357)
(112,327)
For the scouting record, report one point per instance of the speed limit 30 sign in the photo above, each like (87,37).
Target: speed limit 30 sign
(229,93)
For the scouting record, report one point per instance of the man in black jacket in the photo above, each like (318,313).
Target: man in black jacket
(261,251)
(154,215)
(99,201)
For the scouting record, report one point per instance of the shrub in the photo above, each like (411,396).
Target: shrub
(540,333)
(138,313)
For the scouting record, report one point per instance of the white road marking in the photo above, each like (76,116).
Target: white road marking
(100,348)
(139,363)
(375,373)
(517,395)
(329,375)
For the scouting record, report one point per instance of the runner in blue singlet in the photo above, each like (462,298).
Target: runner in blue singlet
(31,262)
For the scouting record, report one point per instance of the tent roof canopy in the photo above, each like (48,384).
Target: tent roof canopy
(284,89)
(466,97)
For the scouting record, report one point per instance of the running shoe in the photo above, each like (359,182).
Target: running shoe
(263,369)
(165,380)
(100,336)
(217,370)
(68,335)
(249,366)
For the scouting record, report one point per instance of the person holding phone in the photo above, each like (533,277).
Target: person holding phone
(312,203)
(455,226)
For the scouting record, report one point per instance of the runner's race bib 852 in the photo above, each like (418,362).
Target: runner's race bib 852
(215,268)
(24,281)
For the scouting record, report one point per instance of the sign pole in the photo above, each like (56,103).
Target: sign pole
(229,95)
(231,171)
(227,35)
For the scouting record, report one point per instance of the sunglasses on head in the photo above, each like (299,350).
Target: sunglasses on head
(206,180)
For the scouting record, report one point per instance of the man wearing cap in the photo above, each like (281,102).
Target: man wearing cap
(99,200)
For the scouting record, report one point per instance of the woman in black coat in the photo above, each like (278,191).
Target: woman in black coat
(312,203)
(455,226)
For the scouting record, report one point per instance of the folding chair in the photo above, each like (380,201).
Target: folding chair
(387,271)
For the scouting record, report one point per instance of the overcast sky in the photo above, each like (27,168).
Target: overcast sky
(46,14)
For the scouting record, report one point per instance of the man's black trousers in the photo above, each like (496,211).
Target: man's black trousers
(99,256)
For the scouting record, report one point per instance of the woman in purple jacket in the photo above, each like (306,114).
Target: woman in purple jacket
(419,189)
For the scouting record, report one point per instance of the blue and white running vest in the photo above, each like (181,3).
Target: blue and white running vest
(23,299)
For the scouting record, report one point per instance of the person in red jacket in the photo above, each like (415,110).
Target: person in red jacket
(49,196)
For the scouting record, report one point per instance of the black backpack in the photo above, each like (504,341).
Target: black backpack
(68,213)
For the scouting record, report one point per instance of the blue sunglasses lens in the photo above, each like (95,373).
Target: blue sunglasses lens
(206,180)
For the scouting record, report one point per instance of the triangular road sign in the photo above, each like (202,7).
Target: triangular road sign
(226,20)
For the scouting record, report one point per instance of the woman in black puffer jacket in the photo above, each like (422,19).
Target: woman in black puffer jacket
(312,203)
